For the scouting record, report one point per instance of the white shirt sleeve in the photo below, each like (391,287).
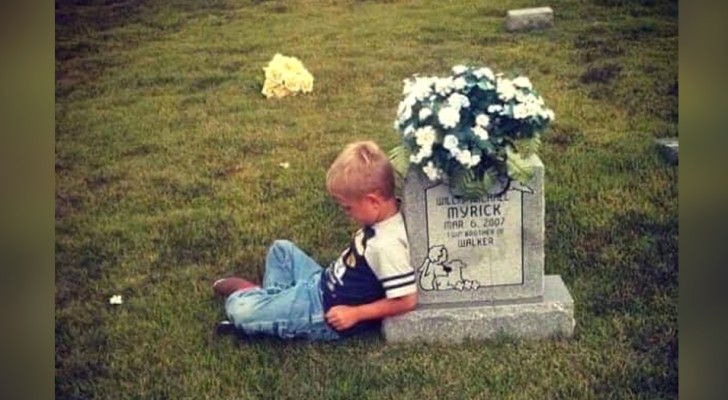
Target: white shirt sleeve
(390,262)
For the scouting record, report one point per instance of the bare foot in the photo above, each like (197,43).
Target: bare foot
(226,286)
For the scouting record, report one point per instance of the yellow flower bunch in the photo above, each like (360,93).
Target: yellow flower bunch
(285,76)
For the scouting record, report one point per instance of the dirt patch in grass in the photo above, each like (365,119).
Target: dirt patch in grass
(595,46)
(562,135)
(603,74)
(67,204)
(643,7)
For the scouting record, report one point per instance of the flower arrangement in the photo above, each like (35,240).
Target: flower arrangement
(471,129)
(285,76)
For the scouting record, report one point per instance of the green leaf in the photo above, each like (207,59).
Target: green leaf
(527,147)
(486,146)
(485,85)
(465,184)
(518,168)
(490,179)
(399,157)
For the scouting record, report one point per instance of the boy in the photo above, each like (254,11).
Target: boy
(371,280)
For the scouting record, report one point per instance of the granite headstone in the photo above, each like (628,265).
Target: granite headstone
(480,264)
(529,19)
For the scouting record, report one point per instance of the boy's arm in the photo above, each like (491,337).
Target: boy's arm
(344,317)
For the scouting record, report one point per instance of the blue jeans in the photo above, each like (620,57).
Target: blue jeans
(289,303)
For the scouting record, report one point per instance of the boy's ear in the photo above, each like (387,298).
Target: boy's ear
(373,198)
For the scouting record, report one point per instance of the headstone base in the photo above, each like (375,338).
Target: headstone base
(550,316)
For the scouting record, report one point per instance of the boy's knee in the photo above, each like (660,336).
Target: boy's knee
(240,311)
(280,247)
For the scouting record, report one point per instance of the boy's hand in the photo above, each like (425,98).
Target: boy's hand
(342,317)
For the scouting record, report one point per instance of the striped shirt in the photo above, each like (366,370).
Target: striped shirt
(376,265)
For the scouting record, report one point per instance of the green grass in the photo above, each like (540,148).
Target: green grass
(167,177)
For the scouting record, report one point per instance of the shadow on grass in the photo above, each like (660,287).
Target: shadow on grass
(636,257)
(75,368)
(611,70)
(84,47)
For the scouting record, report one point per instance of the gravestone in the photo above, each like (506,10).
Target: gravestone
(669,148)
(480,265)
(529,19)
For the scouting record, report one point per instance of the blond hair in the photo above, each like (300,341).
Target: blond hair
(360,169)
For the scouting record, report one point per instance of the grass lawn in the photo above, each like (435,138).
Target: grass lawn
(167,177)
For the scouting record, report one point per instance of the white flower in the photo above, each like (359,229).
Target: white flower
(495,108)
(432,172)
(421,88)
(410,100)
(548,114)
(466,158)
(424,113)
(480,133)
(459,69)
(523,82)
(523,97)
(449,117)
(404,112)
(425,151)
(458,101)
(284,165)
(533,109)
(529,98)
(482,120)
(505,89)
(443,86)
(459,83)
(520,111)
(525,110)
(425,136)
(116,299)
(421,155)
(285,76)
(484,72)
(450,142)
(408,83)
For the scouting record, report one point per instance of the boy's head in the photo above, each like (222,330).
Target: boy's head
(361,180)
